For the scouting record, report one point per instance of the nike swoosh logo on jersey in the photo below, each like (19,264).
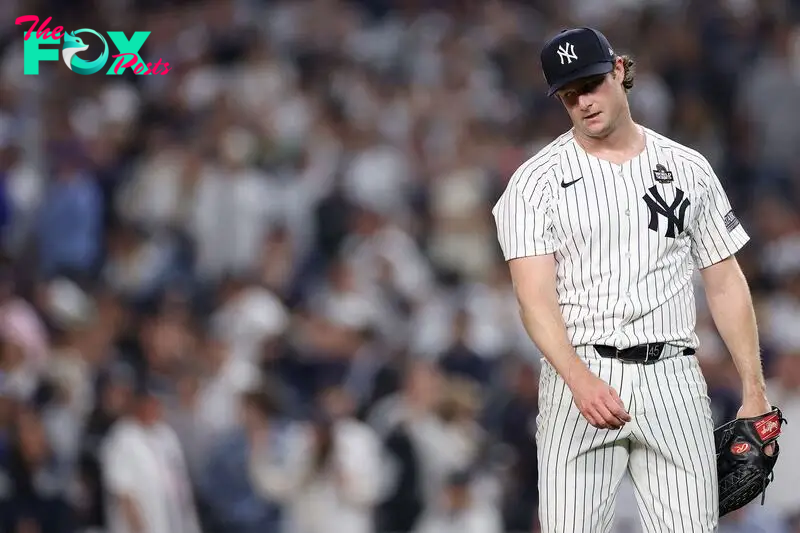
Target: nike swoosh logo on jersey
(570,183)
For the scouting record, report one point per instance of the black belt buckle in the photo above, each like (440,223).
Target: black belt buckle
(644,353)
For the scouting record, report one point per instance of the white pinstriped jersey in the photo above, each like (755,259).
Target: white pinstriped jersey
(626,238)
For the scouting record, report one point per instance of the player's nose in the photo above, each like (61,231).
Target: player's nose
(585,101)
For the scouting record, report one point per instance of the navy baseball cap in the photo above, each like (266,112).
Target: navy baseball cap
(573,54)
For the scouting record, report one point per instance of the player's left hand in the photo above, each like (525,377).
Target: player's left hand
(756,406)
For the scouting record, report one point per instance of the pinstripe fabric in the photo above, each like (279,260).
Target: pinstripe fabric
(627,240)
(672,460)
(618,282)
(580,467)
(667,449)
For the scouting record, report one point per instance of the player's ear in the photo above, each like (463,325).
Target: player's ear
(618,72)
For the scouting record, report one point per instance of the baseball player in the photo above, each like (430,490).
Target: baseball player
(602,230)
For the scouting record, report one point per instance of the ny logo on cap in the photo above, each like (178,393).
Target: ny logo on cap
(566,52)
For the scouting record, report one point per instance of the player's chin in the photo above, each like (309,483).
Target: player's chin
(595,127)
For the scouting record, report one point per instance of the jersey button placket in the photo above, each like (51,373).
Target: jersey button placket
(626,272)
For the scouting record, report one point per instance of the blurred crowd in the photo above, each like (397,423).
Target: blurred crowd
(262,293)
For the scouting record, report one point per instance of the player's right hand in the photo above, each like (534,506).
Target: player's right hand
(597,401)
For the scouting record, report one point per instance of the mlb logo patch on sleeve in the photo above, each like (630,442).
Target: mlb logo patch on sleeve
(731,221)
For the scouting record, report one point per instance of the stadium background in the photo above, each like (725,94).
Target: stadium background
(302,204)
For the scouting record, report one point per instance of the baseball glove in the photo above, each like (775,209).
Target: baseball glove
(744,469)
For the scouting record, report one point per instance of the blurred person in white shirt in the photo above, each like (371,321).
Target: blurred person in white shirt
(71,362)
(329,475)
(439,418)
(155,195)
(138,263)
(382,253)
(377,173)
(224,378)
(414,404)
(234,205)
(26,186)
(247,316)
(462,510)
(458,439)
(493,329)
(461,234)
(145,473)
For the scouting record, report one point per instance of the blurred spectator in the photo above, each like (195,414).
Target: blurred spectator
(510,416)
(459,436)
(382,253)
(41,482)
(137,267)
(330,474)
(459,360)
(20,372)
(70,366)
(145,473)
(461,511)
(462,236)
(117,387)
(415,402)
(233,208)
(234,504)
(22,326)
(247,316)
(156,193)
(279,263)
(223,379)
(70,232)
(401,420)
(24,187)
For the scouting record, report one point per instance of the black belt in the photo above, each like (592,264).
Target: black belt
(644,353)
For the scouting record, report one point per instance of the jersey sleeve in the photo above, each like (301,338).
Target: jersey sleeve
(524,223)
(717,234)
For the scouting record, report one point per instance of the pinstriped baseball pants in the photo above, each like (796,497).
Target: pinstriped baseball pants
(667,448)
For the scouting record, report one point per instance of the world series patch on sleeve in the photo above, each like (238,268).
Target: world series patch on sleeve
(743,467)
(730,221)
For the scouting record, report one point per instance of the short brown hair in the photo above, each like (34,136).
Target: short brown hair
(629,67)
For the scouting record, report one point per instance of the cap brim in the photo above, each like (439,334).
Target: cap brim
(591,70)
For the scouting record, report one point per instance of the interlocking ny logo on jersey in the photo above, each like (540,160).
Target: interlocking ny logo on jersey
(675,213)
(566,52)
